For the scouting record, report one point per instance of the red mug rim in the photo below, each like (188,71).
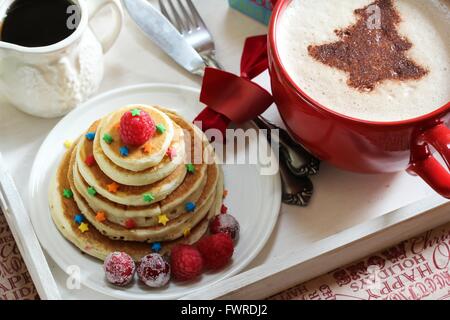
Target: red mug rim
(277,10)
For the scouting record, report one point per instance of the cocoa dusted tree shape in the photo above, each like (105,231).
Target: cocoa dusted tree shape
(371,51)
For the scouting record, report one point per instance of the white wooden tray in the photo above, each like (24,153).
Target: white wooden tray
(350,216)
(295,266)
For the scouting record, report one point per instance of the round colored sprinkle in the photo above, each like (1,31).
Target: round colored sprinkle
(83,227)
(190,168)
(162,219)
(156,247)
(130,224)
(113,187)
(223,209)
(100,216)
(68,144)
(90,136)
(160,128)
(107,138)
(92,191)
(124,151)
(67,193)
(79,218)
(135,112)
(190,207)
(90,160)
(149,197)
(186,232)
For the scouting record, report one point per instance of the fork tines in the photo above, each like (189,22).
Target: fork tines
(182,14)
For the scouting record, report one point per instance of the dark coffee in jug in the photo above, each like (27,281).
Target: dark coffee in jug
(37,23)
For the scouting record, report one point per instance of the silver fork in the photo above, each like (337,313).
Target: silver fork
(190,24)
(296,164)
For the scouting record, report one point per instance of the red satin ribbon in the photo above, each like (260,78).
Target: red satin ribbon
(231,98)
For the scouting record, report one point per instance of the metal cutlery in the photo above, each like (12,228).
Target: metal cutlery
(187,28)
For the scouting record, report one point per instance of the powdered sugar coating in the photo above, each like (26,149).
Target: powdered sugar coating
(154,271)
(119,268)
(226,223)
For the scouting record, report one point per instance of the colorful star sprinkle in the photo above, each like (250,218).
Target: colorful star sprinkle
(223,209)
(100,216)
(113,187)
(225,193)
(90,160)
(156,247)
(130,224)
(90,136)
(186,232)
(148,197)
(108,138)
(135,112)
(190,207)
(171,153)
(190,168)
(124,151)
(68,144)
(79,218)
(83,227)
(160,128)
(146,148)
(92,191)
(67,193)
(162,219)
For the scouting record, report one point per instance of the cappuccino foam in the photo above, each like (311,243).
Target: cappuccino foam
(425,24)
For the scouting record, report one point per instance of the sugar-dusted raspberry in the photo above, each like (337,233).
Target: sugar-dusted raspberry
(225,223)
(119,268)
(154,271)
(136,127)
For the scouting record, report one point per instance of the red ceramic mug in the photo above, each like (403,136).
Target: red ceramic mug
(358,145)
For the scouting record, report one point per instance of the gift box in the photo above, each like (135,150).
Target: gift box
(257,9)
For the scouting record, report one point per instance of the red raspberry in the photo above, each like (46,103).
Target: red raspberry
(225,223)
(216,250)
(119,268)
(136,129)
(186,262)
(154,271)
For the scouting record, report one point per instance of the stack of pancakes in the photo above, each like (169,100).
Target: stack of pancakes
(165,191)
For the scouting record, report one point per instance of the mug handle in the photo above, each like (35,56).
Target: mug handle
(94,6)
(425,165)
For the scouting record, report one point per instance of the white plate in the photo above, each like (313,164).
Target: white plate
(254,199)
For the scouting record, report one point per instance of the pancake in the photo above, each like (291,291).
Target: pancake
(93,242)
(127,195)
(137,160)
(144,177)
(172,230)
(132,195)
(143,216)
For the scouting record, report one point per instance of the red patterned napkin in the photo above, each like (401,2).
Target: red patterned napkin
(15,282)
(416,269)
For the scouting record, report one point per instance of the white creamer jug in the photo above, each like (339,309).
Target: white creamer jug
(50,81)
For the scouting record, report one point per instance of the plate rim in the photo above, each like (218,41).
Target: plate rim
(119,294)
